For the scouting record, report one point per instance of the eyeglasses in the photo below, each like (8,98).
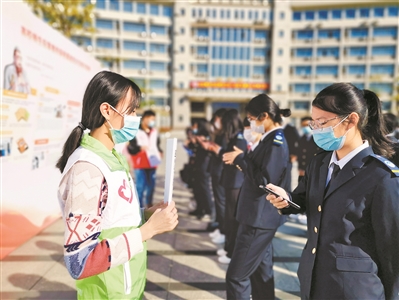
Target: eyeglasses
(316,124)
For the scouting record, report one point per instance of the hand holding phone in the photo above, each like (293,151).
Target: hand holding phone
(267,190)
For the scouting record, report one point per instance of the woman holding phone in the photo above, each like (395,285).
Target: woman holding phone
(350,193)
(250,271)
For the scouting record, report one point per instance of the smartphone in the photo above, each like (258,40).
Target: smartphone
(267,190)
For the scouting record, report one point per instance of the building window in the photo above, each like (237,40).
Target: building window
(127,6)
(222,13)
(323,15)
(202,32)
(242,14)
(202,50)
(326,70)
(304,34)
(214,13)
(105,43)
(157,66)
(141,9)
(260,34)
(281,33)
(350,13)
(200,13)
(309,15)
(384,51)
(264,15)
(329,33)
(280,52)
(259,52)
(303,52)
(167,11)
(302,105)
(105,24)
(202,68)
(181,49)
(154,9)
(157,84)
(157,48)
(364,12)
(382,70)
(182,30)
(100,4)
(328,52)
(134,64)
(357,51)
(302,70)
(356,69)
(336,14)
(379,87)
(134,46)
(385,32)
(181,67)
(279,70)
(193,12)
(158,29)
(279,88)
(301,87)
(378,12)
(359,32)
(114,4)
(182,11)
(228,14)
(259,70)
(393,11)
(282,15)
(250,15)
(134,27)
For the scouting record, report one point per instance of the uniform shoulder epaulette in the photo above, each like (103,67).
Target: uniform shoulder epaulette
(394,169)
(240,136)
(278,138)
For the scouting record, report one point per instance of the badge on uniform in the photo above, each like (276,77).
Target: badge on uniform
(278,139)
(388,163)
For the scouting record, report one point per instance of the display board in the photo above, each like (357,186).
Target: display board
(44,78)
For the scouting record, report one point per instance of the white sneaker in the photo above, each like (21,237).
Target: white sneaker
(224,259)
(206,218)
(302,219)
(221,252)
(219,239)
(214,233)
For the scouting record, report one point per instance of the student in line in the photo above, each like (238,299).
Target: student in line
(350,194)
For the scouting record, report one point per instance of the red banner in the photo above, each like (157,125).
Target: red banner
(229,85)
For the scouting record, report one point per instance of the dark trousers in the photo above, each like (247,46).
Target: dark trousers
(202,193)
(289,171)
(145,184)
(230,222)
(220,201)
(250,271)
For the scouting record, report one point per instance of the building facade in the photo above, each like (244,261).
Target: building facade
(193,57)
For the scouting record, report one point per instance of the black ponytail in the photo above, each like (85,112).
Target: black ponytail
(374,129)
(105,87)
(264,104)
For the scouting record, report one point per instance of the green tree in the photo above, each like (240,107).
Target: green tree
(66,16)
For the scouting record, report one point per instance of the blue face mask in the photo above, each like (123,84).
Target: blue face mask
(195,131)
(306,130)
(151,123)
(128,131)
(326,140)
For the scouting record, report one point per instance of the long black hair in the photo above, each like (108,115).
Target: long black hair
(264,104)
(231,124)
(106,87)
(344,98)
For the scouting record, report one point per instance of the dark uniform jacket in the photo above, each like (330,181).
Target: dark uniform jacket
(216,163)
(305,151)
(266,164)
(395,157)
(353,231)
(232,176)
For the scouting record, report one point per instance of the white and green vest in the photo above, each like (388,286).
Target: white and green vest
(122,213)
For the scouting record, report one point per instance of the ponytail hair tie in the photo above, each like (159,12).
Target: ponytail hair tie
(81,126)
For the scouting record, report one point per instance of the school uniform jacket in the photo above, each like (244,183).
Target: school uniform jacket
(353,231)
(266,164)
(232,176)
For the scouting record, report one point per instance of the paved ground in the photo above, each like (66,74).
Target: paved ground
(181,264)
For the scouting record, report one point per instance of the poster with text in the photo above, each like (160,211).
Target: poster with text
(44,78)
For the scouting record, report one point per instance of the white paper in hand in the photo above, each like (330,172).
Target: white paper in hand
(170,169)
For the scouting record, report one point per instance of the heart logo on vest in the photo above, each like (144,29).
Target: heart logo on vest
(121,193)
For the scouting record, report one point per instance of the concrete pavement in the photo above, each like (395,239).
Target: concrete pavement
(181,264)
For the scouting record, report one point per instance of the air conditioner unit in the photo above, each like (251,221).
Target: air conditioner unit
(153,35)
(360,57)
(308,41)
(307,58)
(200,38)
(359,75)
(200,56)
(143,53)
(257,58)
(143,34)
(258,40)
(143,71)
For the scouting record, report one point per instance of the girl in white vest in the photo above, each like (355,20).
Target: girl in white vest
(105,229)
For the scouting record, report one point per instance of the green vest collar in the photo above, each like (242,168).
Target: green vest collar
(114,161)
